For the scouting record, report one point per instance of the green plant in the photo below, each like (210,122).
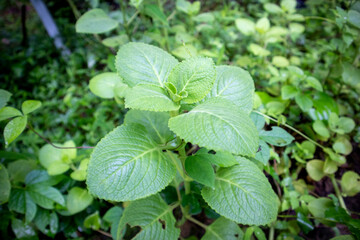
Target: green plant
(189,121)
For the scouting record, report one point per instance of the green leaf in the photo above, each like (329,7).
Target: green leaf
(77,200)
(5,185)
(113,216)
(257,50)
(29,106)
(243,194)
(155,13)
(9,112)
(200,169)
(315,169)
(14,128)
(234,84)
(273,8)
(139,63)
(351,75)
(187,7)
(314,83)
(354,18)
(127,165)
(156,123)
(115,41)
(93,221)
(263,155)
(288,5)
(342,145)
(262,25)
(258,120)
(95,21)
(218,124)
(103,85)
(304,102)
(223,229)
(149,97)
(318,207)
(280,61)
(195,76)
(340,125)
(221,158)
(245,26)
(320,128)
(48,155)
(277,137)
(44,218)
(21,202)
(80,173)
(20,168)
(45,196)
(22,230)
(350,183)
(41,176)
(288,92)
(136,3)
(153,216)
(4,97)
(57,168)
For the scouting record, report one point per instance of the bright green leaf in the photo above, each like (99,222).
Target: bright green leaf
(350,183)
(150,98)
(195,76)
(125,157)
(4,97)
(139,63)
(30,105)
(221,158)
(272,8)
(9,112)
(93,221)
(80,173)
(234,84)
(218,125)
(154,122)
(103,85)
(315,169)
(245,26)
(77,200)
(304,102)
(320,128)
(342,145)
(14,128)
(257,50)
(314,83)
(243,194)
(95,21)
(280,61)
(155,13)
(115,41)
(262,25)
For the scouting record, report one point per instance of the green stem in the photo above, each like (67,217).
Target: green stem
(292,128)
(178,165)
(132,18)
(74,9)
(272,232)
(321,18)
(197,222)
(338,193)
(123,11)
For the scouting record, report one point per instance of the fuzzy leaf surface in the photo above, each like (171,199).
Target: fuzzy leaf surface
(139,63)
(243,194)
(150,98)
(127,164)
(234,84)
(154,217)
(218,124)
(195,76)
(154,122)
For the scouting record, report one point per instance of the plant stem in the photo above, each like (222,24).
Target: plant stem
(338,193)
(74,9)
(122,6)
(197,222)
(271,232)
(104,233)
(292,128)
(49,142)
(321,18)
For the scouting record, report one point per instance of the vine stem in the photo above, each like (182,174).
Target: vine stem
(104,233)
(53,145)
(338,193)
(292,128)
(196,222)
(272,232)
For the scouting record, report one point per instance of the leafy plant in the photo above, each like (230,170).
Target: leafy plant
(177,108)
